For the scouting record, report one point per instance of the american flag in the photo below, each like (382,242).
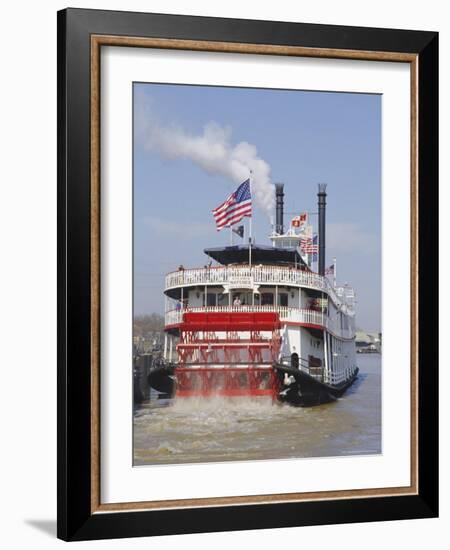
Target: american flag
(308,245)
(237,206)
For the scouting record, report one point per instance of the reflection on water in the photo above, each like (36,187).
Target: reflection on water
(219,429)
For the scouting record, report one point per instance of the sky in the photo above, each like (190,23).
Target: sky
(300,138)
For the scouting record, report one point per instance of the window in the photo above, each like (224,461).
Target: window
(267,299)
(222,299)
(283,300)
(244,297)
(237,299)
(210,299)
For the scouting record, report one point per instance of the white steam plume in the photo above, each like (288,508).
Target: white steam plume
(213,151)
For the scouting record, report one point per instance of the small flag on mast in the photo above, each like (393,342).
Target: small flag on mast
(239,231)
(237,206)
(299,221)
(329,270)
(315,248)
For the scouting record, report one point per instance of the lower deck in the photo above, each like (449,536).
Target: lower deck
(231,353)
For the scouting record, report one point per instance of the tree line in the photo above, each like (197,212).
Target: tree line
(146,324)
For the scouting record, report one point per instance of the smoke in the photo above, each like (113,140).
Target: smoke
(213,151)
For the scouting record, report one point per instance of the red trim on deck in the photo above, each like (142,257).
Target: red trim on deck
(305,325)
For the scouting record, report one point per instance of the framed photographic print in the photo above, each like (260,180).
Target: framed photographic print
(247,274)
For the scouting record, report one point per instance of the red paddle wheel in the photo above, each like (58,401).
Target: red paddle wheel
(228,354)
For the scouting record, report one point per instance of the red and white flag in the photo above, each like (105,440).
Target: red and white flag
(299,221)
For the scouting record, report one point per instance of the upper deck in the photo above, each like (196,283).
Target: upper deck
(250,277)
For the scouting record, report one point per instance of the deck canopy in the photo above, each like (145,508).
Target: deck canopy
(239,254)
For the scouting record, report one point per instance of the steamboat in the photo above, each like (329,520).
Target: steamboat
(258,321)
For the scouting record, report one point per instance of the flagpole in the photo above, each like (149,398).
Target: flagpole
(334,272)
(250,225)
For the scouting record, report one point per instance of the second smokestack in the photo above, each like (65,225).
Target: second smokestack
(279,193)
(322,202)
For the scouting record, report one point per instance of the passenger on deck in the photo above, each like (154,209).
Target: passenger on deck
(237,301)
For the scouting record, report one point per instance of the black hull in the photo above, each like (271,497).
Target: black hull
(307,391)
(161,379)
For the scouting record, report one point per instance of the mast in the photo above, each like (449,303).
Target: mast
(250,224)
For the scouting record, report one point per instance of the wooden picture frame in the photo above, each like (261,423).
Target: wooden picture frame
(81,35)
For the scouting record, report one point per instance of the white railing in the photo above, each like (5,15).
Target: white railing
(256,275)
(287,315)
(336,378)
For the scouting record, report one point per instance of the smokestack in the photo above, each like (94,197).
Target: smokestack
(279,193)
(321,196)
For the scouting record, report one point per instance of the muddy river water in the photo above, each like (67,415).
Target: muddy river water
(217,430)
